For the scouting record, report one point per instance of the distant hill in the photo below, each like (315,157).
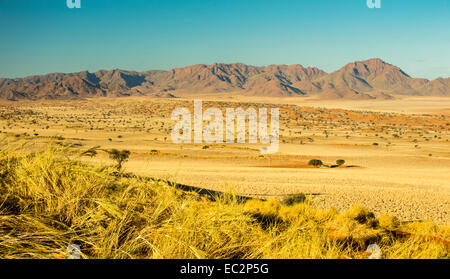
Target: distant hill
(361,80)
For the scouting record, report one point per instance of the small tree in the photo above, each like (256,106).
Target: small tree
(119,156)
(315,163)
(340,162)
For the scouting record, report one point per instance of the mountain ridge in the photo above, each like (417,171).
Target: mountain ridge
(368,79)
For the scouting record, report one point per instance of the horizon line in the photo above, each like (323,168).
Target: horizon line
(217,63)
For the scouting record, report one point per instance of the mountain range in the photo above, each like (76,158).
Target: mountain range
(361,80)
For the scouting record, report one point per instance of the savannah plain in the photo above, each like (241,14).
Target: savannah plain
(396,152)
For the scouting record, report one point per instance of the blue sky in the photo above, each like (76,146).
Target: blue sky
(44,36)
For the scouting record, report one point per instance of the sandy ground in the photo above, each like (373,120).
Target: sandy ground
(412,187)
(402,104)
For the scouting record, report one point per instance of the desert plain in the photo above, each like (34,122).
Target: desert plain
(396,152)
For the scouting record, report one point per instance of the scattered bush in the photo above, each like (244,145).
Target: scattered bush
(91,152)
(315,163)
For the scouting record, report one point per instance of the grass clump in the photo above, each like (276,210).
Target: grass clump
(49,201)
(388,222)
(294,199)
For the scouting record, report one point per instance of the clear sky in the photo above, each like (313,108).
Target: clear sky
(44,36)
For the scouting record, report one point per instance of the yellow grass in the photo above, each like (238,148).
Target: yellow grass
(49,200)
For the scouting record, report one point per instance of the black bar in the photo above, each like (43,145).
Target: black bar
(179,269)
